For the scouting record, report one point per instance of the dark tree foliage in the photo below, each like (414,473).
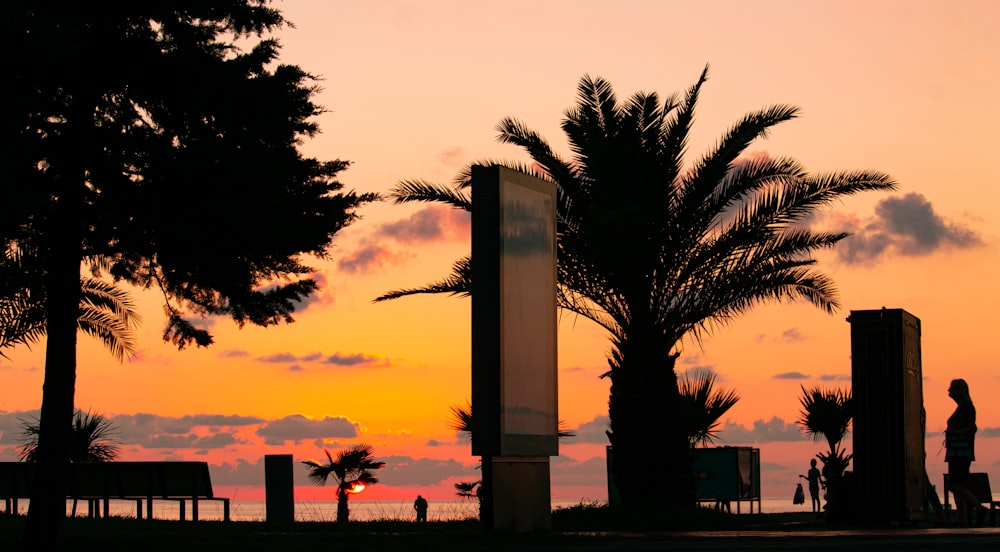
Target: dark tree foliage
(156,143)
(657,251)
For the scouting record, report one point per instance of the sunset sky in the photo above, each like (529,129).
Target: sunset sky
(414,89)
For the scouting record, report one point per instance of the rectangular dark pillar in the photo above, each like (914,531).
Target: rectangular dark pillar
(279,490)
(888,430)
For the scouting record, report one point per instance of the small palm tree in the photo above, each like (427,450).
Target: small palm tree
(827,413)
(469,490)
(702,405)
(351,469)
(92,440)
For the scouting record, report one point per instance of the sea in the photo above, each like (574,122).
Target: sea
(368,510)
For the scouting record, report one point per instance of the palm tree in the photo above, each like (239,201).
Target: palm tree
(107,312)
(92,440)
(826,414)
(702,405)
(350,469)
(657,253)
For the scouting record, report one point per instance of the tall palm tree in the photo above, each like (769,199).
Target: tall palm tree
(350,468)
(827,414)
(657,253)
(703,405)
(92,440)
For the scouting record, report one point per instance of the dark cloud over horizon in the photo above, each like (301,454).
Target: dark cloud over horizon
(790,376)
(907,226)
(296,428)
(432,224)
(762,431)
(592,431)
(335,359)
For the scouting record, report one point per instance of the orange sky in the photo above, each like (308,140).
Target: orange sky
(414,90)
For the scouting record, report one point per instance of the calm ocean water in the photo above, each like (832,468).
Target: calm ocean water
(362,510)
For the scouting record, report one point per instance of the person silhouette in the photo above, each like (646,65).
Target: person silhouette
(420,505)
(960,451)
(814,479)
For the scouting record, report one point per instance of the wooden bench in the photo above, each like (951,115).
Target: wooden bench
(100,482)
(979,484)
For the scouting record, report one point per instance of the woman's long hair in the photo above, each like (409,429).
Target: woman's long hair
(961,389)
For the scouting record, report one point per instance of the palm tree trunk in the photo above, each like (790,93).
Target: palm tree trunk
(343,513)
(63,235)
(48,499)
(652,466)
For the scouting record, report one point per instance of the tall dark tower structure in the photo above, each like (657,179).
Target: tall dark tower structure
(888,424)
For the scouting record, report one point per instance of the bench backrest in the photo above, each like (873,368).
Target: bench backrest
(116,479)
(15,479)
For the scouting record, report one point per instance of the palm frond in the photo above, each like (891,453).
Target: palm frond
(458,283)
(426,192)
(826,413)
(92,439)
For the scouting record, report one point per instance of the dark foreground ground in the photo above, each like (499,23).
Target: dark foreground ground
(759,532)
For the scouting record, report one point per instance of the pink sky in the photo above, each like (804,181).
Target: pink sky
(414,90)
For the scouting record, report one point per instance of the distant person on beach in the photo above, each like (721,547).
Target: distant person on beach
(959,442)
(814,479)
(420,505)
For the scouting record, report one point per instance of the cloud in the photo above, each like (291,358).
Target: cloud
(406,471)
(278,358)
(199,431)
(566,471)
(151,430)
(336,359)
(239,473)
(350,360)
(905,225)
(433,224)
(790,376)
(233,353)
(989,432)
(791,335)
(296,428)
(370,258)
(452,157)
(835,377)
(10,425)
(763,431)
(593,431)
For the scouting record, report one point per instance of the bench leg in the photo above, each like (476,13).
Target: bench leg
(183,513)
(194,508)
(225,509)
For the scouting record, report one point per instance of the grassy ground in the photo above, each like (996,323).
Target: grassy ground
(571,527)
